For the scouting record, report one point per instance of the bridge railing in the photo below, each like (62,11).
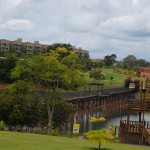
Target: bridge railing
(134,126)
(71,95)
(74,95)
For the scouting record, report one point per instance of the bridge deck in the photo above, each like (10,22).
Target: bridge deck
(80,95)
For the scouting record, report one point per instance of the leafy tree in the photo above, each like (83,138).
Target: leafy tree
(99,136)
(101,64)
(82,60)
(19,106)
(141,63)
(7,63)
(49,71)
(62,45)
(97,75)
(110,59)
(97,64)
(129,62)
(102,135)
(85,62)
(60,48)
(65,108)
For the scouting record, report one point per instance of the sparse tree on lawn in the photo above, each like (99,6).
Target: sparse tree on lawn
(97,75)
(100,136)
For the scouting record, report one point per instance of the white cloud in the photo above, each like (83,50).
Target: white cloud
(101,26)
(135,2)
(7,6)
(17,24)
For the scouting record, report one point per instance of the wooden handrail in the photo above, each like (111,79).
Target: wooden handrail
(146,135)
(134,126)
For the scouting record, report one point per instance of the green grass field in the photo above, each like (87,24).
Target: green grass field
(24,141)
(118,79)
(117,82)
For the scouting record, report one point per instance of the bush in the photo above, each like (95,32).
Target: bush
(18,129)
(1,125)
(54,132)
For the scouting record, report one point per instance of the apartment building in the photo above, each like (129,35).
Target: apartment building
(33,48)
(29,47)
(96,60)
(80,52)
(19,46)
(16,45)
(4,45)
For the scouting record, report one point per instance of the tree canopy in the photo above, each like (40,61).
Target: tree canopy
(7,63)
(50,72)
(97,75)
(110,59)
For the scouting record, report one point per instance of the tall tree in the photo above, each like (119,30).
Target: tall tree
(129,62)
(110,59)
(142,63)
(7,63)
(48,71)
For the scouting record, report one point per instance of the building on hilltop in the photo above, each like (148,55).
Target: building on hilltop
(4,45)
(96,60)
(80,52)
(16,45)
(19,46)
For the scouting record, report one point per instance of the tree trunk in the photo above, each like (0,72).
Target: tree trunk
(50,112)
(99,146)
(49,118)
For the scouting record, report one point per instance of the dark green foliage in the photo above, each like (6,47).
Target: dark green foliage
(110,59)
(7,63)
(56,45)
(61,113)
(49,71)
(132,63)
(19,106)
(1,125)
(129,62)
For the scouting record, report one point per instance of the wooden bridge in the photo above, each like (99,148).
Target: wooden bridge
(102,103)
(98,99)
(106,100)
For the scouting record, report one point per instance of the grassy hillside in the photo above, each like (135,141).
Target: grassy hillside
(24,141)
(118,79)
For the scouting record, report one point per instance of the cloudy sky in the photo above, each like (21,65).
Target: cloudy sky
(102,27)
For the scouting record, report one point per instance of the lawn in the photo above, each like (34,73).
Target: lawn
(117,82)
(24,141)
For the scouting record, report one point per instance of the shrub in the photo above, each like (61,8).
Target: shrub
(1,125)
